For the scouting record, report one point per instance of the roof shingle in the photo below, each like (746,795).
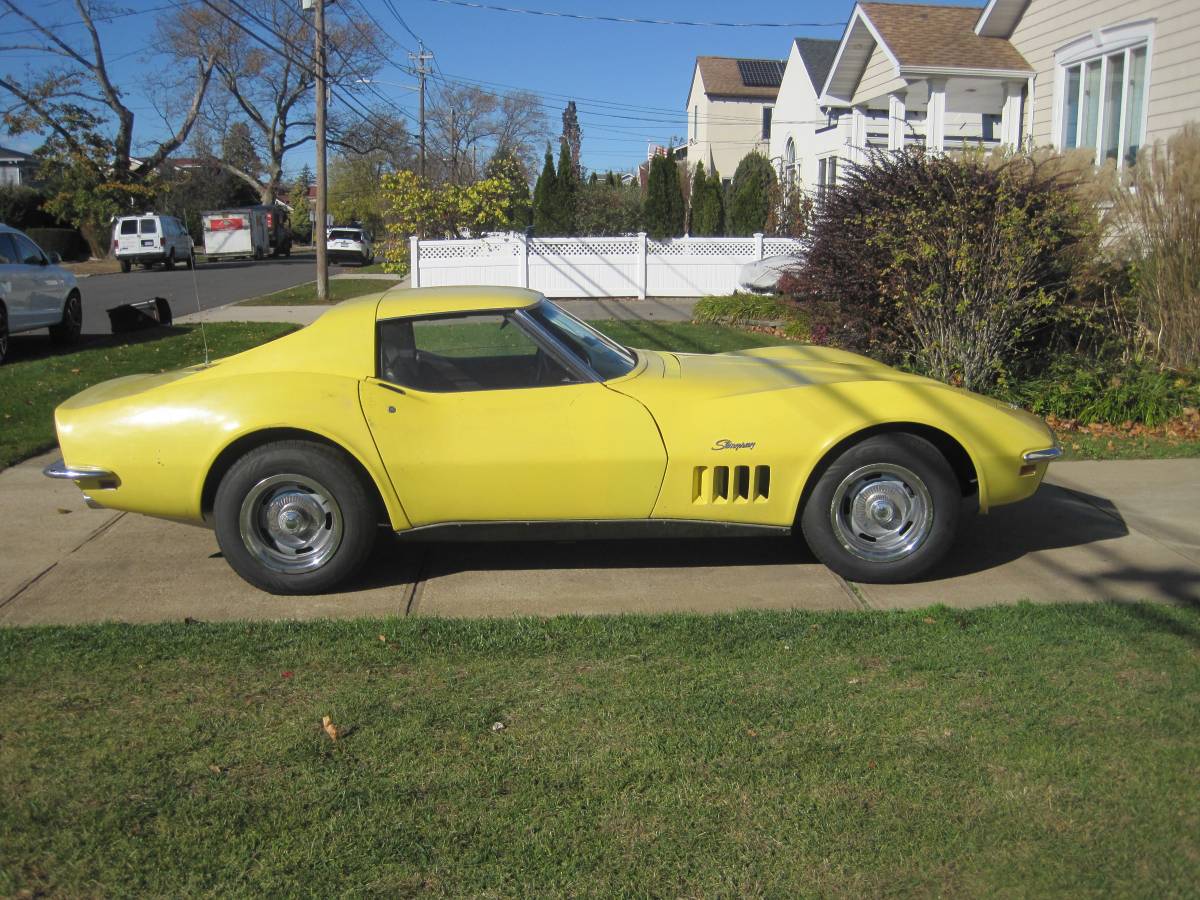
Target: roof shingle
(723,78)
(940,36)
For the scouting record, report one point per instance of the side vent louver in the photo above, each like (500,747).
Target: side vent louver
(731,484)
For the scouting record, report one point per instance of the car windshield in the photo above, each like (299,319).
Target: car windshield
(603,355)
(345,236)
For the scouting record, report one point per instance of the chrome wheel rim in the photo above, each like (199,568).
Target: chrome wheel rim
(882,512)
(291,523)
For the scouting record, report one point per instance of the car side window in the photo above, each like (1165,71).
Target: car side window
(473,352)
(8,250)
(27,251)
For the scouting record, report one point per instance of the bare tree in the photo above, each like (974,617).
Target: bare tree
(75,80)
(263,63)
(469,125)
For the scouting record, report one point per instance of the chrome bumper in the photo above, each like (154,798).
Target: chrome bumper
(1048,455)
(59,469)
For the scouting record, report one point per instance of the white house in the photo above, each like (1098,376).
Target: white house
(798,114)
(730,107)
(1108,75)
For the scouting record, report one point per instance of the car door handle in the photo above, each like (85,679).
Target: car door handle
(391,387)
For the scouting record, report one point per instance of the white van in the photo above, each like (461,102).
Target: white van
(151,238)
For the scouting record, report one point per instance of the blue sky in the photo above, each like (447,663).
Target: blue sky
(630,81)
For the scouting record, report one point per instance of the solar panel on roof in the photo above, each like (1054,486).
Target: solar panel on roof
(760,72)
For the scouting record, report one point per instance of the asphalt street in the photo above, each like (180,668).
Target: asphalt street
(216,283)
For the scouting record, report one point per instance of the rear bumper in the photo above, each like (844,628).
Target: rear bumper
(147,256)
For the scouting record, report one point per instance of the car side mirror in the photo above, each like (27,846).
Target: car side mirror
(55,259)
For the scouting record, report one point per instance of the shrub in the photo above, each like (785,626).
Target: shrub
(750,195)
(950,265)
(664,210)
(1085,390)
(22,207)
(739,310)
(66,242)
(1158,220)
(708,210)
(546,220)
(608,209)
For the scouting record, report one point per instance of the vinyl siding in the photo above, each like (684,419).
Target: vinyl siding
(1174,90)
(878,79)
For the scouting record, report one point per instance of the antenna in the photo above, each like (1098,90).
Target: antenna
(199,311)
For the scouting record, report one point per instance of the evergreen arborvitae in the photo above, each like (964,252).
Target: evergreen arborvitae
(678,200)
(545,196)
(702,221)
(750,195)
(664,200)
(566,191)
(610,179)
(716,200)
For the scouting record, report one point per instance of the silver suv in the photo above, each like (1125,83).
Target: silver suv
(151,238)
(35,293)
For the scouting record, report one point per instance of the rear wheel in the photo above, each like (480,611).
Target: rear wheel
(295,517)
(885,511)
(3,334)
(68,330)
(126,265)
(191,260)
(170,261)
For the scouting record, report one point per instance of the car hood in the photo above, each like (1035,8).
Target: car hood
(776,368)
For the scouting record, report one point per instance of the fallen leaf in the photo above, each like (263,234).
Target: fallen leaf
(928,620)
(287,674)
(383,638)
(75,371)
(330,728)
(854,681)
(497,726)
(64,512)
(216,770)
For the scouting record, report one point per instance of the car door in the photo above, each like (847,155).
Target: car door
(45,295)
(15,284)
(478,421)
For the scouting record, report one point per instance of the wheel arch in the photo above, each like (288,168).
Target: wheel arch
(255,439)
(965,469)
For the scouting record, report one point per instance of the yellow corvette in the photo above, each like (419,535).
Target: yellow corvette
(469,412)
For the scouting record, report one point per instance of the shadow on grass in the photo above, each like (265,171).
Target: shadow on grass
(33,347)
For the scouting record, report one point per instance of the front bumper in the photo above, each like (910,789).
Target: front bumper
(85,477)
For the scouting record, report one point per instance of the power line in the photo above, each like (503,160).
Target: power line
(631,20)
(106,17)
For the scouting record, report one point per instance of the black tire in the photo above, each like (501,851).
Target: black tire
(126,265)
(67,331)
(169,263)
(191,260)
(258,551)
(3,334)
(906,518)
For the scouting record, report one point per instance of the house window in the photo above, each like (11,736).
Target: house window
(789,164)
(1102,94)
(766,123)
(826,175)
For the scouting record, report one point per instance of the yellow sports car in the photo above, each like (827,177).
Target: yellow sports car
(476,412)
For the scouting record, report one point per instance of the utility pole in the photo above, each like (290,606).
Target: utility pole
(420,59)
(322,179)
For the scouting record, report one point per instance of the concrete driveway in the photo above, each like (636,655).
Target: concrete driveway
(1099,531)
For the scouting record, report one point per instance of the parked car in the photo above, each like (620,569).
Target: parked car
(150,238)
(349,244)
(35,292)
(762,276)
(476,412)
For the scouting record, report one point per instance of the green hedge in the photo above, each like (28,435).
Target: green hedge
(66,242)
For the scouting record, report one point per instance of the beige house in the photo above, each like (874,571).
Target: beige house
(729,109)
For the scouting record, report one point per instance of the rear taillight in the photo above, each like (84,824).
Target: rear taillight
(115,243)
(162,242)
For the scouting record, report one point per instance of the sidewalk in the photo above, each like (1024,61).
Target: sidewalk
(1098,531)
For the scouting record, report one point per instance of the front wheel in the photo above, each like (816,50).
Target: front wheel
(294,518)
(169,265)
(68,330)
(191,260)
(3,334)
(885,511)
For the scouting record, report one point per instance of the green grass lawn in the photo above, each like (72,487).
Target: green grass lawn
(306,294)
(32,383)
(1020,751)
(1086,446)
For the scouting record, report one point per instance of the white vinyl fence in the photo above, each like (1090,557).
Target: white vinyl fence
(633,266)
